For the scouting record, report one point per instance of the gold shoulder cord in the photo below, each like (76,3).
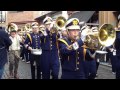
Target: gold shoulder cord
(62,40)
(29,37)
(84,51)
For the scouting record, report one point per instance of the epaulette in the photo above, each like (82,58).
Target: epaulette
(63,41)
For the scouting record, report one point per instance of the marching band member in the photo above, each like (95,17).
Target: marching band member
(72,52)
(14,53)
(117,46)
(32,42)
(90,64)
(26,52)
(89,56)
(5,42)
(50,60)
(111,49)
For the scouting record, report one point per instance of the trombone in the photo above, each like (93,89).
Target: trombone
(59,24)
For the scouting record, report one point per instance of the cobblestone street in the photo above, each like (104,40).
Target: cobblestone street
(104,72)
(23,71)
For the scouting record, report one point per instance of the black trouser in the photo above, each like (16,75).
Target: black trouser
(22,53)
(97,65)
(118,67)
(35,59)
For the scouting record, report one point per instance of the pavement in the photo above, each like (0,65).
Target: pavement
(23,71)
(104,71)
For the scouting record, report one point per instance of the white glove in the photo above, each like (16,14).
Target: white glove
(30,48)
(45,33)
(111,49)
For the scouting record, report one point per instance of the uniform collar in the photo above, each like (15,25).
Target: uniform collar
(35,33)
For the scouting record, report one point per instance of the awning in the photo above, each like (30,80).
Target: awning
(83,15)
(42,17)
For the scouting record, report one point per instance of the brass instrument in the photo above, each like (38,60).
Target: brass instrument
(60,22)
(11,27)
(28,27)
(105,37)
(42,30)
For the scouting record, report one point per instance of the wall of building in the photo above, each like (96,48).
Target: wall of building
(107,17)
(20,17)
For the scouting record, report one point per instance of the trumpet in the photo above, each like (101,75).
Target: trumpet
(60,22)
(58,25)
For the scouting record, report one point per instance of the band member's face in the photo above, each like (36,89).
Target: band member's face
(19,33)
(48,26)
(74,33)
(35,29)
(64,33)
(13,34)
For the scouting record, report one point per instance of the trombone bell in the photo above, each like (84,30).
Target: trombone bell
(60,22)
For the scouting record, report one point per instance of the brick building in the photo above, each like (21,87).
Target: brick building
(21,17)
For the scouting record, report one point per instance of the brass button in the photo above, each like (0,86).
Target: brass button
(51,45)
(78,52)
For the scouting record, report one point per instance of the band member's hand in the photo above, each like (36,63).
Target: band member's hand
(111,49)
(45,33)
(29,48)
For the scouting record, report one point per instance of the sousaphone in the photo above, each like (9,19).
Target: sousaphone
(105,37)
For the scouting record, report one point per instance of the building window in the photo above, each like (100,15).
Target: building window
(2,16)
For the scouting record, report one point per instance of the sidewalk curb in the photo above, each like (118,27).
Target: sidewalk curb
(104,64)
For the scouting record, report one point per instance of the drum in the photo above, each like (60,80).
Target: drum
(101,52)
(36,51)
